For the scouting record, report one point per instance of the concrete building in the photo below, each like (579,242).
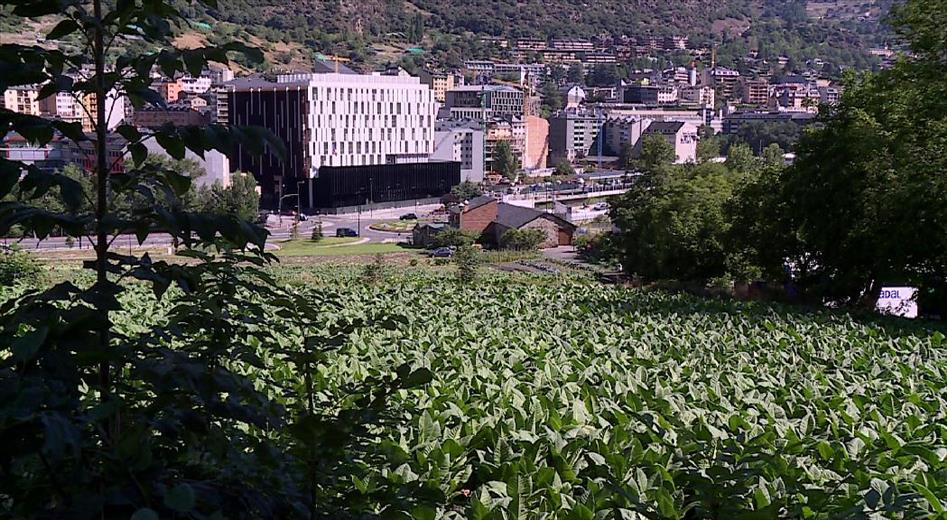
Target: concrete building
(197,85)
(725,81)
(651,94)
(115,111)
(698,117)
(734,121)
(485,102)
(331,119)
(537,143)
(439,82)
(682,136)
(49,157)
(168,89)
(176,114)
(675,43)
(22,99)
(573,134)
(755,91)
(698,96)
(572,45)
(623,131)
(216,165)
(794,98)
(62,105)
(221,115)
(463,142)
(829,95)
(218,75)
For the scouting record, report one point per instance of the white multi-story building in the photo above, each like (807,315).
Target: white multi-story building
(357,119)
(22,99)
(332,119)
(63,105)
(197,85)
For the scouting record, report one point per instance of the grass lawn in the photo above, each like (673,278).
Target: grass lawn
(397,226)
(336,247)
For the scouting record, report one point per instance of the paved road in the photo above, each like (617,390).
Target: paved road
(280,229)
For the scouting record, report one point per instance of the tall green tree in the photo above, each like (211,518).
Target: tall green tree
(867,196)
(740,158)
(466,190)
(240,198)
(709,145)
(656,152)
(504,162)
(674,224)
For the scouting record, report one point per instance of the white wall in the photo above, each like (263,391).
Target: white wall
(363,119)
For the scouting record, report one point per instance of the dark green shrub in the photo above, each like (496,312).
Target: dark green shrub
(522,239)
(20,267)
(453,237)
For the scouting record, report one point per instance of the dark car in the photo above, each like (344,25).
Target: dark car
(442,252)
(346,232)
(408,216)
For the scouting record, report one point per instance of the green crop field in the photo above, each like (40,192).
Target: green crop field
(565,400)
(553,397)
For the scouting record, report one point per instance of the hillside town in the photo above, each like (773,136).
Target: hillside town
(559,107)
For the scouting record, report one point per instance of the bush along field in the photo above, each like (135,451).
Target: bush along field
(550,397)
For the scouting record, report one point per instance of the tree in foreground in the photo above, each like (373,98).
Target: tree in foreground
(163,418)
(467,259)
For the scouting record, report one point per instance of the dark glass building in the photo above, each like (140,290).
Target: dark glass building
(349,186)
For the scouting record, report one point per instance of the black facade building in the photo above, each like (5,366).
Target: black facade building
(282,111)
(350,186)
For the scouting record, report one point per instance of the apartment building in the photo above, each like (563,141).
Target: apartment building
(682,136)
(23,99)
(483,102)
(513,131)
(755,91)
(463,142)
(699,96)
(439,82)
(177,115)
(621,132)
(573,134)
(725,81)
(734,121)
(197,85)
(115,105)
(651,94)
(64,106)
(170,90)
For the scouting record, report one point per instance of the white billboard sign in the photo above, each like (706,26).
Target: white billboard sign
(898,301)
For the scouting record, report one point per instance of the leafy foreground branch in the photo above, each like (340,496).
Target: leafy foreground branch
(110,408)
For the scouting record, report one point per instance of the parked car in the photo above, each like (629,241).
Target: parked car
(346,232)
(442,252)
(408,216)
